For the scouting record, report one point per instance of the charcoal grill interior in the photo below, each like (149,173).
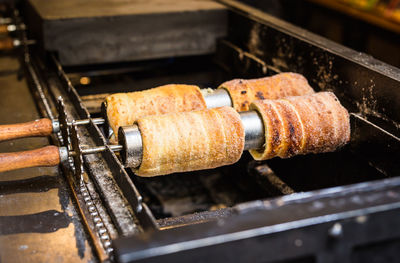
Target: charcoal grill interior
(178,194)
(183,194)
(280,210)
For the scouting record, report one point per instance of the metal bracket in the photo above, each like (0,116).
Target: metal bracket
(77,150)
(62,119)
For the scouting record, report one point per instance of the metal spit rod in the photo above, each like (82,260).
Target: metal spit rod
(131,144)
(213,98)
(45,127)
(130,138)
(64,153)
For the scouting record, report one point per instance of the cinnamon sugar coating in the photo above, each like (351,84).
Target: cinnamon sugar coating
(300,125)
(125,108)
(190,141)
(244,91)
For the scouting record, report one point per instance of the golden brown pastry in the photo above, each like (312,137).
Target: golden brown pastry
(125,108)
(190,141)
(299,125)
(244,91)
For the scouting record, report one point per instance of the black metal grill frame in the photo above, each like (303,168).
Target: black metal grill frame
(300,227)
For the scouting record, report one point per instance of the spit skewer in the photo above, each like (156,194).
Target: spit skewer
(284,128)
(130,146)
(41,127)
(36,128)
(129,137)
(50,156)
(45,127)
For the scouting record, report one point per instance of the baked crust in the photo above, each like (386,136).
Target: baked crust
(190,141)
(125,108)
(300,125)
(244,91)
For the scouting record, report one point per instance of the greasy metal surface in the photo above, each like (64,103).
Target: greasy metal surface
(86,205)
(289,227)
(380,148)
(195,218)
(240,63)
(216,98)
(254,135)
(364,84)
(131,140)
(300,226)
(99,170)
(268,179)
(38,221)
(107,172)
(369,141)
(183,194)
(101,31)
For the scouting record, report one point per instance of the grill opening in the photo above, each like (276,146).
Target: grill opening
(213,192)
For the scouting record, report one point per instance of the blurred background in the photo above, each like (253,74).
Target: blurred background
(370,26)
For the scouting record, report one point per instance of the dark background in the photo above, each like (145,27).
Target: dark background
(349,31)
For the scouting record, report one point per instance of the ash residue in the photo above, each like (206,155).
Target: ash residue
(324,66)
(368,104)
(254,44)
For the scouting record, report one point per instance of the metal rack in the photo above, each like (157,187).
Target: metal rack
(291,219)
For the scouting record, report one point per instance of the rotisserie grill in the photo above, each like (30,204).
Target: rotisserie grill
(331,194)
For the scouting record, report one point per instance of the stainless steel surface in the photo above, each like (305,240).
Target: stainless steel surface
(56,126)
(116,148)
(87,121)
(56,123)
(64,155)
(81,122)
(253,129)
(216,98)
(131,139)
(99,149)
(108,132)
